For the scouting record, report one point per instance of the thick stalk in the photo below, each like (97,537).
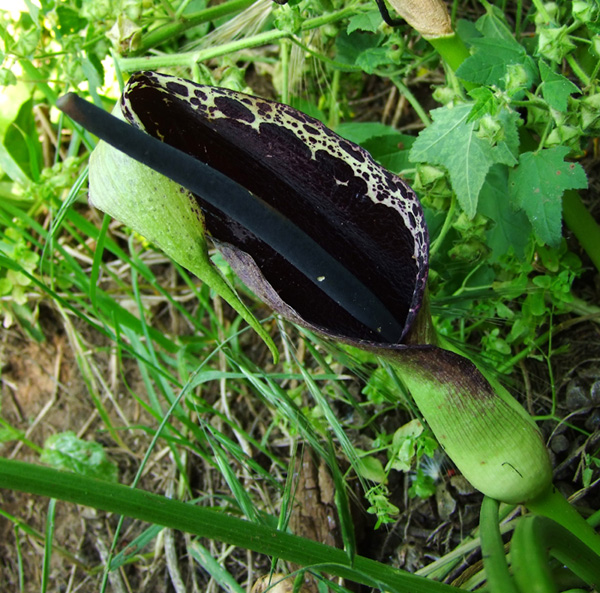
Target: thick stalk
(535,538)
(188,59)
(552,504)
(452,50)
(492,550)
(583,225)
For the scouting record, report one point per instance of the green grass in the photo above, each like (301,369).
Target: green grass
(183,397)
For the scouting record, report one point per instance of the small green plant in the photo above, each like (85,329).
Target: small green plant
(65,451)
(13,284)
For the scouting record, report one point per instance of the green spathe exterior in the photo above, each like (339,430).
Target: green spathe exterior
(162,212)
(495,444)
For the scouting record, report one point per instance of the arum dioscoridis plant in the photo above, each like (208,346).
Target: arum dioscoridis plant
(325,236)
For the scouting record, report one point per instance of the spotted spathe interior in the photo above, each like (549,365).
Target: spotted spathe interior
(365,216)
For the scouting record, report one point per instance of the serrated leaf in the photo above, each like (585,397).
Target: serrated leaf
(349,48)
(511,228)
(556,89)
(488,65)
(366,21)
(371,58)
(536,185)
(485,102)
(493,25)
(452,142)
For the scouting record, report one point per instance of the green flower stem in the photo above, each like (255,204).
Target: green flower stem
(492,549)
(534,538)
(171,30)
(152,508)
(491,378)
(330,17)
(284,59)
(578,70)
(583,225)
(188,59)
(445,227)
(413,101)
(539,6)
(554,505)
(529,560)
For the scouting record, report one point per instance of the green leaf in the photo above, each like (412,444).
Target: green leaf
(379,386)
(358,46)
(366,21)
(404,445)
(423,485)
(69,21)
(486,102)
(360,132)
(488,65)
(23,149)
(386,145)
(537,185)
(391,151)
(511,228)
(11,99)
(454,143)
(210,524)
(556,89)
(67,451)
(371,468)
(372,58)
(492,24)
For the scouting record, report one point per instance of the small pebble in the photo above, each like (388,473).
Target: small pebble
(577,395)
(559,443)
(592,422)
